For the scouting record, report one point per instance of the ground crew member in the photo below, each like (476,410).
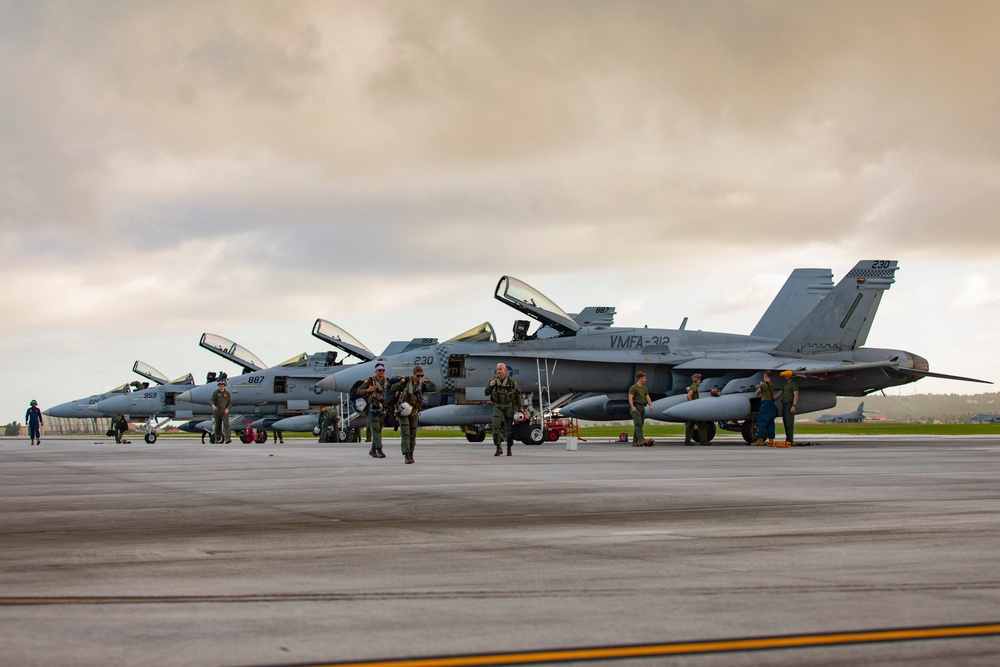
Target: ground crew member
(411,392)
(374,390)
(33,418)
(789,396)
(221,401)
(692,395)
(119,425)
(767,413)
(507,399)
(329,417)
(638,399)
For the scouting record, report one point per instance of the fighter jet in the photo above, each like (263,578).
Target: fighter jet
(825,351)
(802,291)
(161,400)
(291,385)
(81,407)
(856,416)
(983,418)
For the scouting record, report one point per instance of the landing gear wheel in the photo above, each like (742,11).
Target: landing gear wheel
(534,435)
(261,437)
(477,436)
(709,432)
(150,438)
(748,429)
(211,438)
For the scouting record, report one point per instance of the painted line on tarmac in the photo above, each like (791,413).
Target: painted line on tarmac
(683,648)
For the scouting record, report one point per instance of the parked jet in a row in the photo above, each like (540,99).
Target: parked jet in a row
(825,351)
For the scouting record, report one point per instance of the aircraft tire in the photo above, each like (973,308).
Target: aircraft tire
(261,437)
(211,438)
(533,435)
(709,436)
(749,428)
(150,438)
(478,436)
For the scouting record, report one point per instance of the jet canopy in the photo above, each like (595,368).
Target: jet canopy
(481,333)
(184,379)
(525,298)
(334,335)
(301,359)
(227,349)
(148,372)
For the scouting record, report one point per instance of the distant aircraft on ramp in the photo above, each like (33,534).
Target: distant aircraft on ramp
(983,418)
(856,416)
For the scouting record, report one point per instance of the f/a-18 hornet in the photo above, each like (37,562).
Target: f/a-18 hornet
(825,352)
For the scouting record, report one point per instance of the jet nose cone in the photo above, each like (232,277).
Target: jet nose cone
(113,405)
(46,412)
(329,382)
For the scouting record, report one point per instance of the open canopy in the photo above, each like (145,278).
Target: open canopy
(334,335)
(525,298)
(227,349)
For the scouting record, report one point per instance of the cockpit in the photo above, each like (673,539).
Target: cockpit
(523,297)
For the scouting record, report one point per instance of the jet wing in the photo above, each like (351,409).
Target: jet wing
(928,374)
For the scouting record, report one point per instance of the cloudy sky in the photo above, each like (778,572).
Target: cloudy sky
(243,168)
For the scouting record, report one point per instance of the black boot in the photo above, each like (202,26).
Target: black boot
(496,441)
(371,452)
(509,446)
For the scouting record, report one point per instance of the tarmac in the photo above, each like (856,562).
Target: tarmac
(855,550)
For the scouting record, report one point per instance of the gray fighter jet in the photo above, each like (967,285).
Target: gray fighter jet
(802,291)
(825,351)
(857,416)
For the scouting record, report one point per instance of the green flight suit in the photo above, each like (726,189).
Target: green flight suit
(414,395)
(507,400)
(221,401)
(376,408)
(329,417)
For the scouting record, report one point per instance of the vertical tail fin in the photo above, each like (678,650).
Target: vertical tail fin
(798,296)
(842,320)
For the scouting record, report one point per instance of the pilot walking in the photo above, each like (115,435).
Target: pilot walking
(638,399)
(507,399)
(767,412)
(33,418)
(374,390)
(221,401)
(689,427)
(411,399)
(789,396)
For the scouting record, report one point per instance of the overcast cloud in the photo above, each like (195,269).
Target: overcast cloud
(171,168)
